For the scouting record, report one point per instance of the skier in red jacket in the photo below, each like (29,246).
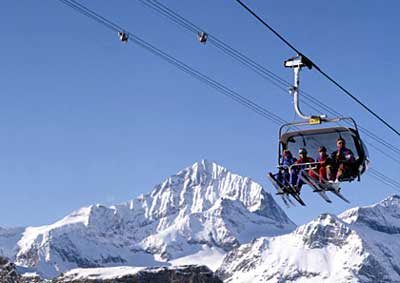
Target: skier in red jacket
(324,166)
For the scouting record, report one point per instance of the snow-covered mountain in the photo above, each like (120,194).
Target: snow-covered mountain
(8,241)
(360,245)
(201,212)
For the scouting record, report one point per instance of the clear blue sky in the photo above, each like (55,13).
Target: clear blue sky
(85,119)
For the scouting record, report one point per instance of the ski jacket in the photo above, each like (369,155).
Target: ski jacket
(324,161)
(305,160)
(343,155)
(286,162)
(305,167)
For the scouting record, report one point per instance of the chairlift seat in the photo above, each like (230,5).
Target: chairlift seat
(311,139)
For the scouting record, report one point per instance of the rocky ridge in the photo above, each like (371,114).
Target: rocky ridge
(181,274)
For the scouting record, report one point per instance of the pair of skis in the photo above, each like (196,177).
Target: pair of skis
(285,192)
(325,186)
(321,188)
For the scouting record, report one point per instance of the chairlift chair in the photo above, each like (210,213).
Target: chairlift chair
(202,37)
(293,136)
(123,36)
(313,137)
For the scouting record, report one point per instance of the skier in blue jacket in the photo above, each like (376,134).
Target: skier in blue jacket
(283,175)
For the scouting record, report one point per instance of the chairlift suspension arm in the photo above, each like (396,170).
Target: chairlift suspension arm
(296,63)
(296,94)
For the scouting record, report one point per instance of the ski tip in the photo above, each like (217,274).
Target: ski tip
(301,202)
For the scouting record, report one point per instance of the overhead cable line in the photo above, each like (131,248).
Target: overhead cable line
(364,130)
(180,20)
(384,179)
(311,101)
(91,14)
(177,63)
(180,65)
(319,69)
(367,133)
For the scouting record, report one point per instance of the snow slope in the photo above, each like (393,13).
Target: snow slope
(361,245)
(200,209)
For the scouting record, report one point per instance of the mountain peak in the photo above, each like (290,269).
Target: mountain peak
(201,205)
(383,216)
(393,200)
(205,164)
(200,185)
(202,169)
(326,249)
(325,229)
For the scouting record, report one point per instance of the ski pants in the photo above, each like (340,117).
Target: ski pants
(296,174)
(295,179)
(324,173)
(282,178)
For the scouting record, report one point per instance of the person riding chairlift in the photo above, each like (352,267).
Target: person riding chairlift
(299,171)
(324,166)
(283,175)
(344,160)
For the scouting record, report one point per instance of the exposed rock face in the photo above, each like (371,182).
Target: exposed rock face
(361,245)
(183,274)
(201,207)
(8,272)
